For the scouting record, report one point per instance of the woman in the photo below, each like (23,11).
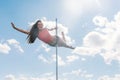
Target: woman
(37,31)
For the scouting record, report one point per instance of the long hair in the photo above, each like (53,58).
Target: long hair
(33,33)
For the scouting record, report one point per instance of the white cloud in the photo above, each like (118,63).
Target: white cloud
(4,48)
(60,60)
(52,59)
(48,74)
(110,55)
(46,48)
(117,18)
(51,76)
(69,59)
(100,21)
(73,10)
(79,73)
(10,77)
(13,41)
(44,76)
(106,77)
(94,39)
(76,6)
(72,58)
(83,59)
(104,40)
(42,58)
(85,51)
(16,44)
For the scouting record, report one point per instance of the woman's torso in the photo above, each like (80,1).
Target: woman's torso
(45,36)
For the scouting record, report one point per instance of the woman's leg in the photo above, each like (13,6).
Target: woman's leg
(62,43)
(59,42)
(63,36)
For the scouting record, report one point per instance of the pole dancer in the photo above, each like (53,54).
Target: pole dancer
(38,31)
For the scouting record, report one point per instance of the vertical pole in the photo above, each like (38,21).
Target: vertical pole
(56,52)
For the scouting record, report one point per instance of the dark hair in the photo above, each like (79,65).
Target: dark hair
(33,33)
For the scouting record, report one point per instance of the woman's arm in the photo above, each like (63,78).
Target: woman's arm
(63,36)
(20,30)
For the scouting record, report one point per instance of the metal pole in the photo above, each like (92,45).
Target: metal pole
(56,52)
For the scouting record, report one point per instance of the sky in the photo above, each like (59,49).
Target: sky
(92,26)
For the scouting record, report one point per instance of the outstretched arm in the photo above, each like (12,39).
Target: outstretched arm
(20,30)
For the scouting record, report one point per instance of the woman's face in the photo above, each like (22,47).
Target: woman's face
(40,25)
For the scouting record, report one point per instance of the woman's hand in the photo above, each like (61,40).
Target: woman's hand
(13,25)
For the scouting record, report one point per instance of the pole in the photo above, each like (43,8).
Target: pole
(56,52)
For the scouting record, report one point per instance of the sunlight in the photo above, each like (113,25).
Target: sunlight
(78,7)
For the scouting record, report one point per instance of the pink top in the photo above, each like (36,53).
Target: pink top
(45,36)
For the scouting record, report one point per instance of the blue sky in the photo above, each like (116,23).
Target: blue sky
(90,25)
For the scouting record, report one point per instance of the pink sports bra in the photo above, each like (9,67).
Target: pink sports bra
(45,36)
